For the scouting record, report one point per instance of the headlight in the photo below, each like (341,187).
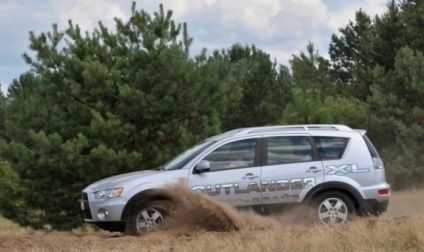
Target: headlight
(108,193)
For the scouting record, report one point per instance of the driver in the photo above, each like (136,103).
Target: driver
(236,160)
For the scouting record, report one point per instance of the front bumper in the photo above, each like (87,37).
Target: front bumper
(105,214)
(112,226)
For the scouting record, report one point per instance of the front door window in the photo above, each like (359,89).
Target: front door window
(234,177)
(239,154)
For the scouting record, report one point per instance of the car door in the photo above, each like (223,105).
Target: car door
(291,168)
(234,173)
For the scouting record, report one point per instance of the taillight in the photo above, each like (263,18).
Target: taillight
(384,192)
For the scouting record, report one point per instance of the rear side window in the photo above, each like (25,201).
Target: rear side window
(371,147)
(330,148)
(288,149)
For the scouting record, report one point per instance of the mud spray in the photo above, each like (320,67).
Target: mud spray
(200,213)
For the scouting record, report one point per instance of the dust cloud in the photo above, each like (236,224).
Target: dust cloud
(205,225)
(200,213)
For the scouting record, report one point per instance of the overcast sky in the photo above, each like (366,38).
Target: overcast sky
(279,27)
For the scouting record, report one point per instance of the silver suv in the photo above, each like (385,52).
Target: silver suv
(333,168)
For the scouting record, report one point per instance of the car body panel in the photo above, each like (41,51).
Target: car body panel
(264,180)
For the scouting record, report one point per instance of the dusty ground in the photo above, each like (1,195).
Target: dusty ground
(403,220)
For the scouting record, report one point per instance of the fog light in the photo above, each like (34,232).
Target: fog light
(102,214)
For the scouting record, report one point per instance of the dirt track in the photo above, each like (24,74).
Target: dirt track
(18,239)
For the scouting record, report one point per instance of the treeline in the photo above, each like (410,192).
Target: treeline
(107,102)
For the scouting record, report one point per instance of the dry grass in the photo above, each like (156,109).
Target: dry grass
(400,229)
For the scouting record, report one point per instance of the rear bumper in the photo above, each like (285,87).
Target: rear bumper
(373,207)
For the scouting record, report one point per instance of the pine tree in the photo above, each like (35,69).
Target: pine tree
(351,56)
(102,103)
(262,90)
(2,115)
(398,111)
(311,84)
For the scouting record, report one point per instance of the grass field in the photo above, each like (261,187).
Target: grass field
(400,229)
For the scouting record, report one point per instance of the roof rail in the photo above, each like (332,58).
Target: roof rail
(296,127)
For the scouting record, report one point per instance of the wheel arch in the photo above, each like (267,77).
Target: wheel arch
(347,189)
(146,196)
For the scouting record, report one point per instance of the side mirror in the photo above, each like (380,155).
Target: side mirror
(202,166)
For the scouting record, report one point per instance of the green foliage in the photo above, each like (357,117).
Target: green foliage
(104,103)
(399,110)
(2,115)
(107,102)
(311,72)
(388,30)
(379,61)
(351,56)
(311,85)
(259,93)
(367,43)
(304,109)
(347,110)
(9,186)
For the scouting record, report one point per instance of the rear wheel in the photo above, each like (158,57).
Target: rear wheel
(334,208)
(147,216)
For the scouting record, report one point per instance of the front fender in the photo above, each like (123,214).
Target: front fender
(146,196)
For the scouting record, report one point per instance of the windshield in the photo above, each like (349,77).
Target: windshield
(179,161)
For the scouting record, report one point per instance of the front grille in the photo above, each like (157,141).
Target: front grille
(86,213)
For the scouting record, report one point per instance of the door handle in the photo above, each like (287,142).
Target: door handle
(249,176)
(313,169)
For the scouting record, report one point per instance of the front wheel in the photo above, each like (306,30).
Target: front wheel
(147,216)
(334,208)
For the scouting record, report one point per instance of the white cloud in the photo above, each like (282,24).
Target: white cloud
(340,18)
(253,15)
(87,14)
(279,27)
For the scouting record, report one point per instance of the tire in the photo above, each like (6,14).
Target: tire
(146,217)
(334,208)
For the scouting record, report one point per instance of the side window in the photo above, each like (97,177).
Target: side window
(371,147)
(289,149)
(239,154)
(331,147)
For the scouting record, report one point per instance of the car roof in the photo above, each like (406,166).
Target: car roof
(284,129)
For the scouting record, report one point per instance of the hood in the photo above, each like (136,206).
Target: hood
(124,179)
